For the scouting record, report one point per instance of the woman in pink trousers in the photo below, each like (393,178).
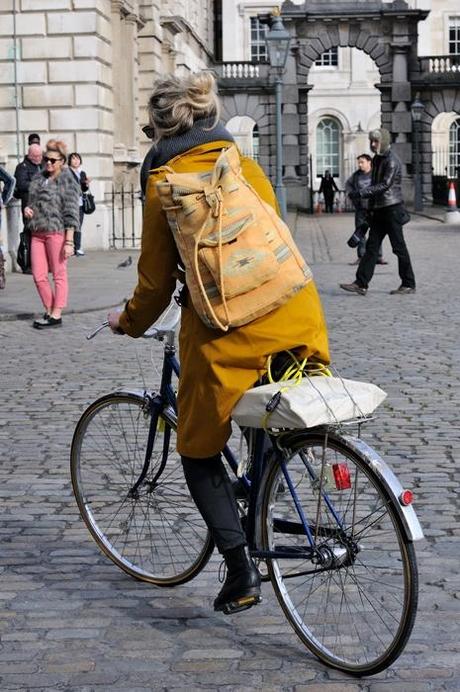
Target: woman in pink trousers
(52,211)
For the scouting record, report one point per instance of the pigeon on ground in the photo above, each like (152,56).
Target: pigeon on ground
(126,263)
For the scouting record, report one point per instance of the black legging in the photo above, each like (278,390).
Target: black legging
(212,492)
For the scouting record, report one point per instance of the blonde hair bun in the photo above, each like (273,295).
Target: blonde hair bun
(176,102)
(58,146)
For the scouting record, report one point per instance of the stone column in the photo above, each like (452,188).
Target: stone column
(296,191)
(426,155)
(119,149)
(401,120)
(129,112)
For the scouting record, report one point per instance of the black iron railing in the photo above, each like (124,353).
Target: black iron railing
(126,206)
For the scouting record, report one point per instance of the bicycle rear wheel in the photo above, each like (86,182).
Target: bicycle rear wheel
(355,607)
(154,533)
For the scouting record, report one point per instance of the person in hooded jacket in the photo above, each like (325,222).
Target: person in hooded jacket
(388,216)
(216,368)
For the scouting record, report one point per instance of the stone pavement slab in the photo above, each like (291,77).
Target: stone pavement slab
(70,620)
(95,282)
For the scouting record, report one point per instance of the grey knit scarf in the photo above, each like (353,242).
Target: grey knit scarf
(169,147)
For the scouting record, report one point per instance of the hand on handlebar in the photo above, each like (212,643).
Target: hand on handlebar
(113,319)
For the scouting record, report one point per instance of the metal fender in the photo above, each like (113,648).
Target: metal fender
(370,457)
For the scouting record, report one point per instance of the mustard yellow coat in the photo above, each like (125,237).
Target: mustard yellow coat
(216,367)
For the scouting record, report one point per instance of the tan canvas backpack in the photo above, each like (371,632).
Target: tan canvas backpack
(240,259)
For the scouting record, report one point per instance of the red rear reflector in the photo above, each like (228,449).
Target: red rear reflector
(406,497)
(341,476)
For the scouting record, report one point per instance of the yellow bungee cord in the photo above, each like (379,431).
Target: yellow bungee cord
(293,376)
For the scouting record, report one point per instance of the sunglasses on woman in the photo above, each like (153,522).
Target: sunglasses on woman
(49,159)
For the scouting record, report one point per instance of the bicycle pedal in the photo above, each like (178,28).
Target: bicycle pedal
(241,604)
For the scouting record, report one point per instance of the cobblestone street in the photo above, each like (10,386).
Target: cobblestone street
(71,620)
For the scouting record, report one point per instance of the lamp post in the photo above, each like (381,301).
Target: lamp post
(278,40)
(416,110)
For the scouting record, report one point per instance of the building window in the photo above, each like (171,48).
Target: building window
(328,144)
(454,149)
(330,58)
(258,45)
(454,35)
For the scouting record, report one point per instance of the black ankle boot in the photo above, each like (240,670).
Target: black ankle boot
(241,589)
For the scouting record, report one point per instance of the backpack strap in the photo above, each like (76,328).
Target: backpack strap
(214,199)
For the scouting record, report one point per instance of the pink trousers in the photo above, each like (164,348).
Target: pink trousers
(47,255)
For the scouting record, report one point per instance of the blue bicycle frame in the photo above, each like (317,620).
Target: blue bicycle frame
(165,403)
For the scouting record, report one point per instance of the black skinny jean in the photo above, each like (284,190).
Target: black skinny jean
(77,234)
(386,221)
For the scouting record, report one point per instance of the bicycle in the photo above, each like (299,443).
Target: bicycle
(320,508)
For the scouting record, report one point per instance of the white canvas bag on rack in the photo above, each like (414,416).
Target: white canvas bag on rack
(312,401)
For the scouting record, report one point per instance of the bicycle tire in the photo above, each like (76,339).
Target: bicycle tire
(158,535)
(357,614)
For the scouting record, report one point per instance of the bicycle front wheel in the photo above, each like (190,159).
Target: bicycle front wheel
(353,602)
(154,532)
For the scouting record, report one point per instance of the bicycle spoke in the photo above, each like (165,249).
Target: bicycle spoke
(350,607)
(155,533)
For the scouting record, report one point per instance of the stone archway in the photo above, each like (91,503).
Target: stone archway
(387,32)
(253,106)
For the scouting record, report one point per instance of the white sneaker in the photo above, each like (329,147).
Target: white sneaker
(79,252)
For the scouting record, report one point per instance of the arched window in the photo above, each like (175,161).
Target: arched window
(454,149)
(246,134)
(328,146)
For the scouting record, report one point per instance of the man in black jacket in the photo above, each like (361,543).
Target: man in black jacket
(388,214)
(25,171)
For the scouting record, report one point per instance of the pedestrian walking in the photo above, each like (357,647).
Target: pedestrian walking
(74,160)
(216,367)
(52,214)
(8,184)
(356,183)
(30,166)
(388,217)
(328,187)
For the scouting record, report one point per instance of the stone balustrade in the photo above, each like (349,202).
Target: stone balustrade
(240,70)
(441,64)
(247,71)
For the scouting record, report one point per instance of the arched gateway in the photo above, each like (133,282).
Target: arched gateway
(388,33)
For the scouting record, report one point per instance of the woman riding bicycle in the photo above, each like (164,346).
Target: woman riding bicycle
(216,367)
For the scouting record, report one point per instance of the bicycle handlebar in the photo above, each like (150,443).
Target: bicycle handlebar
(102,326)
(165,325)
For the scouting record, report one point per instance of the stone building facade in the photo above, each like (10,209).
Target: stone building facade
(82,71)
